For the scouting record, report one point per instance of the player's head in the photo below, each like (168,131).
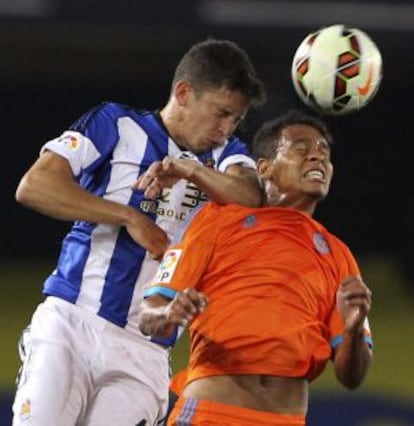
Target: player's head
(213,87)
(293,154)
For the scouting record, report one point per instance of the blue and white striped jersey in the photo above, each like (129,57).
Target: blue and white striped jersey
(100,267)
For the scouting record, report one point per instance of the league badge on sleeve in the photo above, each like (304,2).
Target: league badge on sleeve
(70,140)
(167,266)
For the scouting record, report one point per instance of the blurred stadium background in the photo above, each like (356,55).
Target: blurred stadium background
(59,58)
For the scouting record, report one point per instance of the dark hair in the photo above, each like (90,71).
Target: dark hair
(267,138)
(220,63)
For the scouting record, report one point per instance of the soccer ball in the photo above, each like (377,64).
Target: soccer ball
(337,69)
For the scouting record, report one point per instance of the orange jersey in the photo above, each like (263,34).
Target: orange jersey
(271,277)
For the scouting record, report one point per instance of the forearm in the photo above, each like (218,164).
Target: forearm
(352,359)
(241,187)
(62,198)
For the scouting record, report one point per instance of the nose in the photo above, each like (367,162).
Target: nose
(226,127)
(316,153)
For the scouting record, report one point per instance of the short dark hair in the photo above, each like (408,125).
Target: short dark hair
(266,139)
(220,63)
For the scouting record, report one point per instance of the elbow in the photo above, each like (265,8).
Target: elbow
(256,201)
(352,379)
(351,384)
(255,198)
(24,193)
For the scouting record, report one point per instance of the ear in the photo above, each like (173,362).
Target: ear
(264,168)
(182,92)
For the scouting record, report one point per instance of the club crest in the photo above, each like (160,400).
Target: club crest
(320,243)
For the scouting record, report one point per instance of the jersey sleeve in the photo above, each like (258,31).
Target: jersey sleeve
(235,152)
(89,141)
(348,267)
(185,262)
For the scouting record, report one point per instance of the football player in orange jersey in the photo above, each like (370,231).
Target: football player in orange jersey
(269,294)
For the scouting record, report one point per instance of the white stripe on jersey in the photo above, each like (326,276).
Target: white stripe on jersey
(103,241)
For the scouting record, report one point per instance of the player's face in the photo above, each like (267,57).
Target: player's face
(208,118)
(302,170)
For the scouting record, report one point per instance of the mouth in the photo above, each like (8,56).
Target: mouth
(315,175)
(214,143)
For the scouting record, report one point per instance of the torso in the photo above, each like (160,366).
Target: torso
(257,392)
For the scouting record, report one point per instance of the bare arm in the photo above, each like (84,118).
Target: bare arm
(49,187)
(161,316)
(238,184)
(353,356)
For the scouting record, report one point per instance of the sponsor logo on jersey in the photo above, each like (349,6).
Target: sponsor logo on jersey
(70,140)
(320,243)
(151,206)
(148,206)
(167,266)
(188,155)
(163,205)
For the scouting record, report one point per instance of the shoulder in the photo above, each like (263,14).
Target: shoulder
(341,251)
(338,243)
(102,113)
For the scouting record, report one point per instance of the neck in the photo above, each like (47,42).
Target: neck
(302,207)
(172,121)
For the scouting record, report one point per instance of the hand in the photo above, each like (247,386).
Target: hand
(353,299)
(164,174)
(147,234)
(185,306)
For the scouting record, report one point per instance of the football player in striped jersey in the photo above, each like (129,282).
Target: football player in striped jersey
(87,362)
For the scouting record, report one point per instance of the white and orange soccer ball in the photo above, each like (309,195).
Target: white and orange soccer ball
(337,69)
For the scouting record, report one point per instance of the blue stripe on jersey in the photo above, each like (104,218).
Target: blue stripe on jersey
(120,279)
(66,280)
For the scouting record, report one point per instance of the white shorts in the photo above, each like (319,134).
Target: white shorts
(80,369)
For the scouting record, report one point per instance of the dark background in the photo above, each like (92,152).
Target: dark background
(59,58)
